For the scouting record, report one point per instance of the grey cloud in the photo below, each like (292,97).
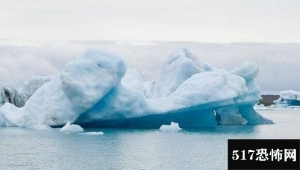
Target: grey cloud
(279,63)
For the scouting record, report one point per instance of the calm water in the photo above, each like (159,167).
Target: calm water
(135,149)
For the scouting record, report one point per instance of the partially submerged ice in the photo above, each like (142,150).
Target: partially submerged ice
(95,90)
(71,128)
(173,127)
(288,98)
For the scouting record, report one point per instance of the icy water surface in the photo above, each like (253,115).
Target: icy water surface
(136,149)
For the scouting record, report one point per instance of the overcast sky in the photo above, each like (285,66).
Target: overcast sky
(179,20)
(279,64)
(49,25)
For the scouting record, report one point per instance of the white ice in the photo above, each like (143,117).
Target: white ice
(288,99)
(290,95)
(173,127)
(92,133)
(9,94)
(97,90)
(72,128)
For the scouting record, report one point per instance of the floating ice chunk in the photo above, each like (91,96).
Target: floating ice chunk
(91,133)
(170,128)
(71,128)
(288,98)
(290,95)
(90,92)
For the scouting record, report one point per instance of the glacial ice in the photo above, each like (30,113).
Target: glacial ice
(91,133)
(18,98)
(174,73)
(96,90)
(31,85)
(71,128)
(288,98)
(290,95)
(11,95)
(133,79)
(173,127)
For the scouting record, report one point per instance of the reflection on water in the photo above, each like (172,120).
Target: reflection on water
(204,148)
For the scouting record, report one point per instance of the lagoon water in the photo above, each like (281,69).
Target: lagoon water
(133,149)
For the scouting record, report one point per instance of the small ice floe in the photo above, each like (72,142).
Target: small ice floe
(71,128)
(91,133)
(174,127)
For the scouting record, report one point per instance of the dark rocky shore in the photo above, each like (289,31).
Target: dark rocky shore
(267,100)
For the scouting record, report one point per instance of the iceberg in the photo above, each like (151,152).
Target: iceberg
(71,128)
(173,127)
(288,99)
(97,90)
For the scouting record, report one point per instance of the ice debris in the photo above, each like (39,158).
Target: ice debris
(173,127)
(71,128)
